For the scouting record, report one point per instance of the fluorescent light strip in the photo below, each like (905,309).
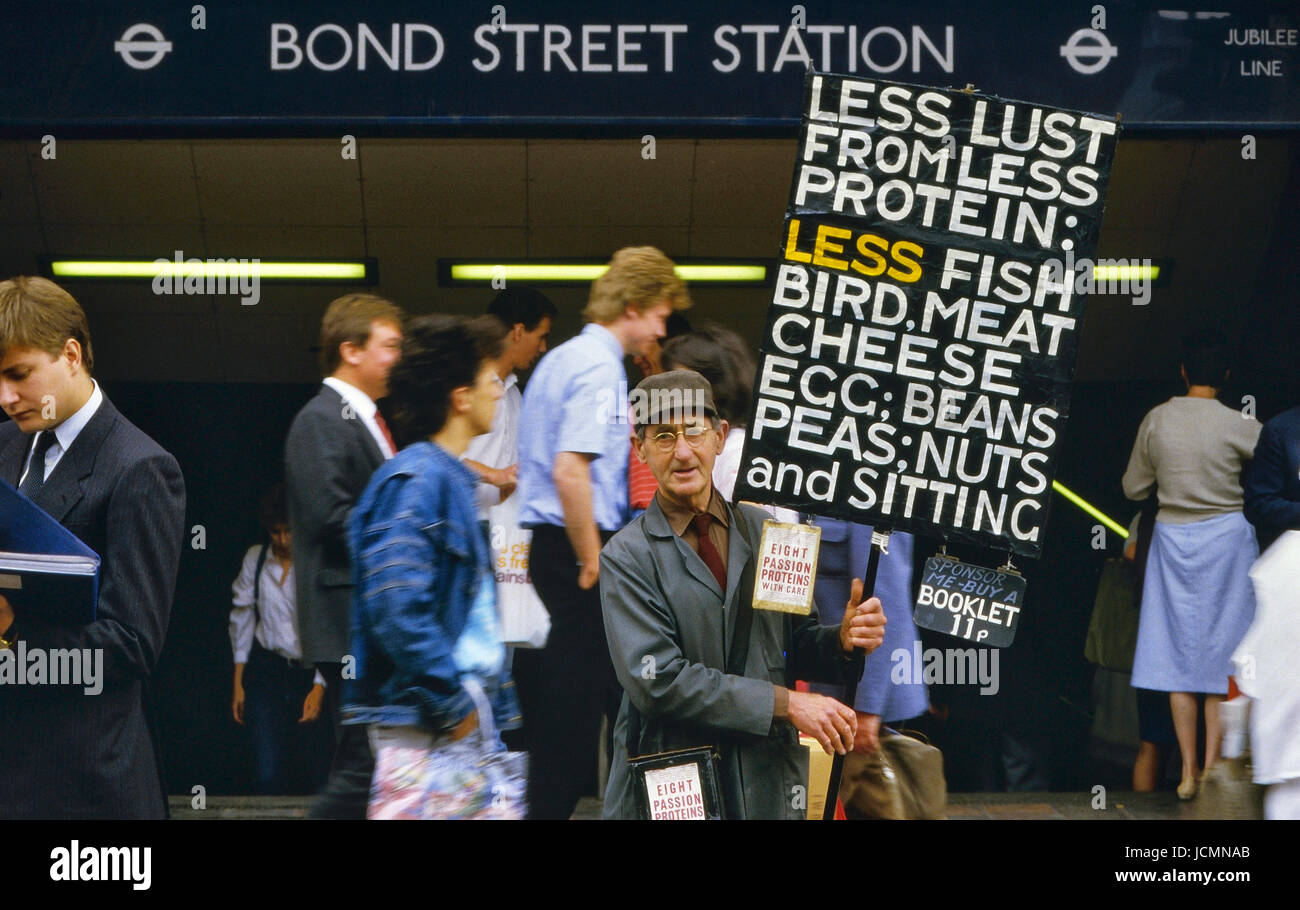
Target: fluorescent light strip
(757,274)
(1090,509)
(537,271)
(521,271)
(754,273)
(216,268)
(1126,272)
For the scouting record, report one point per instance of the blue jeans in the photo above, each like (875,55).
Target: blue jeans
(273,694)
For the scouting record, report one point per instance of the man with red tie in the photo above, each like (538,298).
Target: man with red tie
(674,586)
(335,443)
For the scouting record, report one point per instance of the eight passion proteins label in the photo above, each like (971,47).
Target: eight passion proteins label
(675,793)
(787,566)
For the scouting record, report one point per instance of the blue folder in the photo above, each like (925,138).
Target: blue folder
(44,567)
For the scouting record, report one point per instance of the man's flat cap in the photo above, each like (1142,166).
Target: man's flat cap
(671,397)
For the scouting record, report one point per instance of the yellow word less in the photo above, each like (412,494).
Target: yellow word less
(871,248)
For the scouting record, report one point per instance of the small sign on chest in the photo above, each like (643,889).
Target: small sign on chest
(787,567)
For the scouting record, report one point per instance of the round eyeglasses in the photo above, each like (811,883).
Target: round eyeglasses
(666,442)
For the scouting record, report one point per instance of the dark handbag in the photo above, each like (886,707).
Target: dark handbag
(903,779)
(683,783)
(1113,627)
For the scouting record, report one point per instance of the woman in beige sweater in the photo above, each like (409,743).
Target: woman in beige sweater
(1197,600)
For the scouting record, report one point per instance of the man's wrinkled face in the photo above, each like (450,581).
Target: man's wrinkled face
(681,456)
(37,390)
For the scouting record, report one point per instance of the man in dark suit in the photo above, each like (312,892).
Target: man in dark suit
(335,443)
(1271,481)
(67,751)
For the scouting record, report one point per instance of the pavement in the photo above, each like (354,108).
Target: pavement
(961,806)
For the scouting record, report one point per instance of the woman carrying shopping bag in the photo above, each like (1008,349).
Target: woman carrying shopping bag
(429,662)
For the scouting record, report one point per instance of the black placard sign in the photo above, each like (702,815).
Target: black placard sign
(971,602)
(916,366)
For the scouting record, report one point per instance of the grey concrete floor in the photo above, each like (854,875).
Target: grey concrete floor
(961,806)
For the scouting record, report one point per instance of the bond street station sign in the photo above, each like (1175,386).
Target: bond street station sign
(674,66)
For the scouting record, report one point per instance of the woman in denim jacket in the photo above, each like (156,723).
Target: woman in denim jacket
(424,633)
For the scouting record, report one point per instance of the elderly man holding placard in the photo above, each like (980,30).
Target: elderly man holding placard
(707,662)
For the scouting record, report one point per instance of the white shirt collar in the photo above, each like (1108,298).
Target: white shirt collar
(71,428)
(362,403)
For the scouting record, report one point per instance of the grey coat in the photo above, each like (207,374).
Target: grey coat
(666,623)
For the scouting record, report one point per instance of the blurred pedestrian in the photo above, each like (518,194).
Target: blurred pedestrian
(573,438)
(430,684)
(335,443)
(274,691)
(528,315)
(1268,670)
(1272,480)
(1197,600)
